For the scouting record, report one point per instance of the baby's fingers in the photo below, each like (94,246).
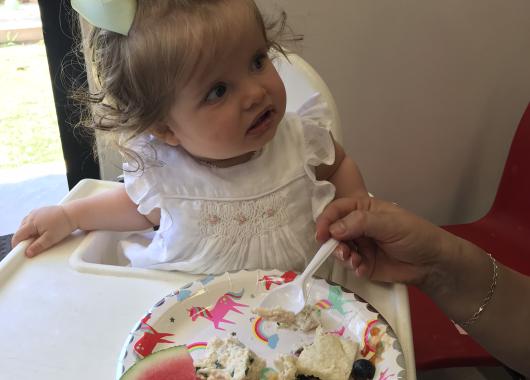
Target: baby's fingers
(44,242)
(25,231)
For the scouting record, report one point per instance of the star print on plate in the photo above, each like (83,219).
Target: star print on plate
(222,306)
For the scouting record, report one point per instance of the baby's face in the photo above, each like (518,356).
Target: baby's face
(233,105)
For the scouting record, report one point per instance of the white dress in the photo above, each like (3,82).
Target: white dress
(256,215)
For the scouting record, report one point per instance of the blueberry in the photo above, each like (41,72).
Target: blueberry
(363,370)
(306,377)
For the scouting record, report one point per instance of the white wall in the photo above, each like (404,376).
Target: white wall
(430,92)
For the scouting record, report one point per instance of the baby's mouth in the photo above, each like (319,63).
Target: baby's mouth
(264,117)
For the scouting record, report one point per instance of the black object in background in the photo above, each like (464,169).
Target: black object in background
(66,71)
(5,245)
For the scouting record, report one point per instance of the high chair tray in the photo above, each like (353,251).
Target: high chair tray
(67,312)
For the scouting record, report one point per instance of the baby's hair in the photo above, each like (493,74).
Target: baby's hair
(138,76)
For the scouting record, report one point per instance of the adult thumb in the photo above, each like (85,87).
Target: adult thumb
(360,223)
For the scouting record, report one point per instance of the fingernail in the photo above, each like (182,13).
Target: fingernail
(342,254)
(337,228)
(338,254)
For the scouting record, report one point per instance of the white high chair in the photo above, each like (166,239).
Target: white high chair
(125,293)
(301,80)
(95,253)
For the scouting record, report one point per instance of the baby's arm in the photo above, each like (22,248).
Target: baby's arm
(349,183)
(344,174)
(111,210)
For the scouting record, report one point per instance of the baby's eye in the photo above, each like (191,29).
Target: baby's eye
(259,62)
(216,93)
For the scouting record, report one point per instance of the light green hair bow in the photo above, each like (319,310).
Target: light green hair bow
(114,15)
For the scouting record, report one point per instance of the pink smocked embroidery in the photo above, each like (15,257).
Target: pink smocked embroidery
(242,219)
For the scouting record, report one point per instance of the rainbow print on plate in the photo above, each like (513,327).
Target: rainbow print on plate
(222,306)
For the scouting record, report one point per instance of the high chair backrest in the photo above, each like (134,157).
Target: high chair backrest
(512,198)
(301,81)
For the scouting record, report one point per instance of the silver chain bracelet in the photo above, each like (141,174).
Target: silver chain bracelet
(486,300)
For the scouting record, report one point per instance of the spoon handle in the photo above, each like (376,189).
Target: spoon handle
(323,253)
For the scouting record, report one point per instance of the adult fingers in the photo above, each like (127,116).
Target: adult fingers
(337,209)
(350,226)
(355,260)
(374,224)
(365,260)
(348,255)
(342,252)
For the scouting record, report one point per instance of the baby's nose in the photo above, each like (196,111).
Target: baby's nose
(254,94)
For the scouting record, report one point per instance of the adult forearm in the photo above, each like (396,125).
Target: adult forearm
(459,284)
(112,210)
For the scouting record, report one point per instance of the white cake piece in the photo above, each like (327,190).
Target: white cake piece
(286,366)
(306,320)
(329,357)
(229,360)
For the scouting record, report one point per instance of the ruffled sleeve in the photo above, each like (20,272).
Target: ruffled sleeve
(318,148)
(141,184)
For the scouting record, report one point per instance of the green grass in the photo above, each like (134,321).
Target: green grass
(28,124)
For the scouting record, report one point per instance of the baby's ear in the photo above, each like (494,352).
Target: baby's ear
(164,133)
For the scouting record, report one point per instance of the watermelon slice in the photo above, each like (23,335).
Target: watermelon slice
(174,363)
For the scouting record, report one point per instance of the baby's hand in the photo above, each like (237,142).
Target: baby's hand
(49,225)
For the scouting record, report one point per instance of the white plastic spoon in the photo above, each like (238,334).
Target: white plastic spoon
(293,295)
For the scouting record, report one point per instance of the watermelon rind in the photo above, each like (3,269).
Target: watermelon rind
(174,363)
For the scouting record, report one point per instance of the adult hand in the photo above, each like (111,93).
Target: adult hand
(49,225)
(386,243)
(383,242)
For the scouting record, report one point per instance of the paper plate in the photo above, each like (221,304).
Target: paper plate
(221,306)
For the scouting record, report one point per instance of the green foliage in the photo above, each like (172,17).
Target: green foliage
(13,4)
(28,123)
(11,39)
